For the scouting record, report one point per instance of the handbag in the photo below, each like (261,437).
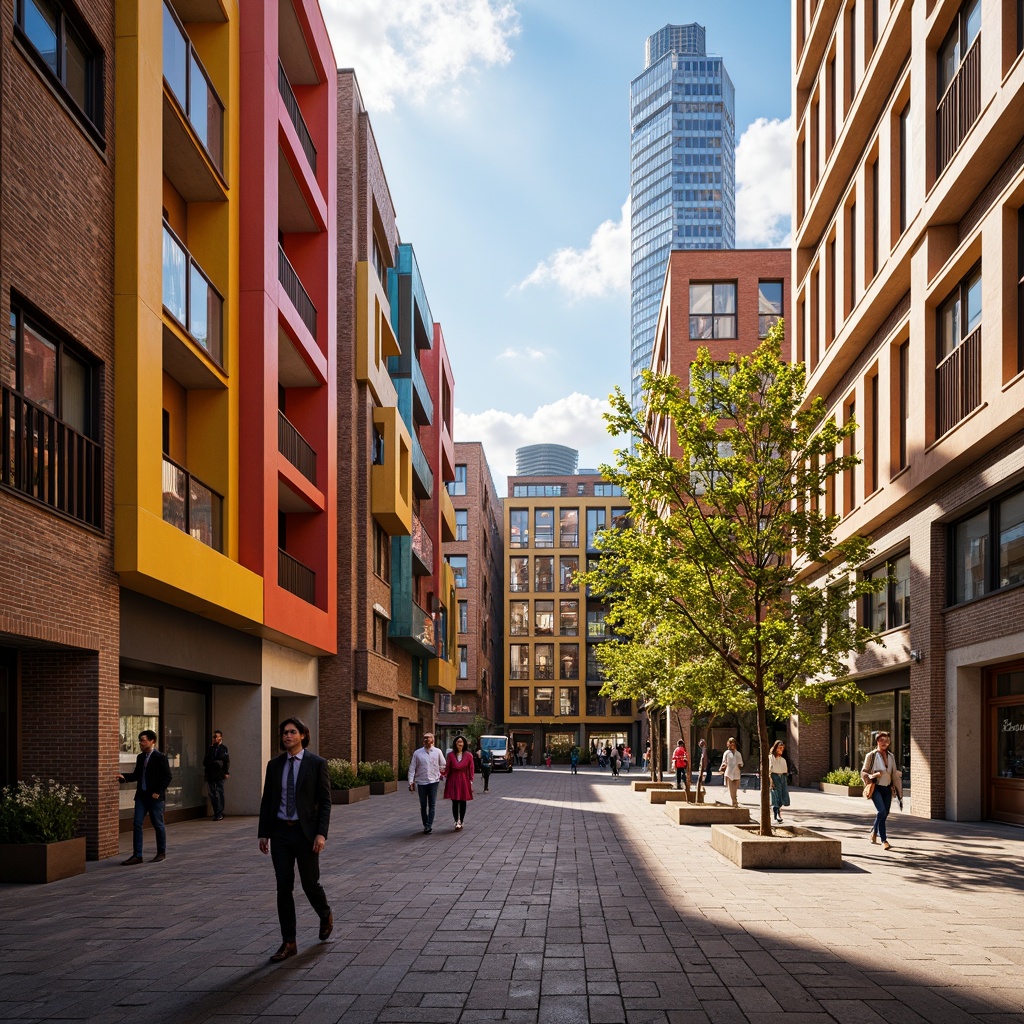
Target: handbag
(869,790)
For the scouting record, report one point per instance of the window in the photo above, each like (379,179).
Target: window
(622,708)
(519,661)
(769,306)
(518,701)
(620,518)
(538,490)
(970,553)
(568,618)
(596,521)
(851,255)
(871,469)
(458,485)
(543,527)
(831,306)
(904,400)
(960,314)
(544,574)
(904,184)
(459,567)
(544,701)
(381,553)
(595,623)
(568,566)
(569,528)
(831,109)
(461,524)
(50,412)
(463,616)
(964,30)
(444,703)
(569,661)
(545,661)
(519,618)
(519,527)
(67,54)
(569,699)
(595,672)
(851,48)
(1011,540)
(958,377)
(463,662)
(713,310)
(958,78)
(544,618)
(378,453)
(1020,275)
(849,450)
(518,574)
(607,490)
(873,177)
(380,634)
(890,608)
(190,298)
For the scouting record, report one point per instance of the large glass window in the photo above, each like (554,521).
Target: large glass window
(519,661)
(519,574)
(544,574)
(463,662)
(964,31)
(713,310)
(567,569)
(190,298)
(999,528)
(569,699)
(544,527)
(544,661)
(460,568)
(597,520)
(569,661)
(519,528)
(519,618)
(875,715)
(463,616)
(544,701)
(596,626)
(568,618)
(890,608)
(607,490)
(960,314)
(1011,540)
(518,701)
(969,557)
(461,524)
(544,618)
(769,306)
(569,528)
(458,485)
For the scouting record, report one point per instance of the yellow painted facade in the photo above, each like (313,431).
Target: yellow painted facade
(391,480)
(442,673)
(375,339)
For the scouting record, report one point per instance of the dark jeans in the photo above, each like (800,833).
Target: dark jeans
(155,809)
(216,796)
(486,772)
(428,798)
(882,799)
(288,846)
(680,772)
(572,764)
(459,810)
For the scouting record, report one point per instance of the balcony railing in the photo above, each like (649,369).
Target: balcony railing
(960,106)
(187,79)
(422,545)
(191,506)
(50,461)
(519,672)
(296,578)
(190,298)
(293,289)
(958,384)
(295,448)
(568,540)
(291,104)
(597,706)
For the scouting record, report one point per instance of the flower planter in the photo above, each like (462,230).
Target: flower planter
(833,790)
(42,862)
(645,785)
(707,814)
(350,796)
(669,796)
(788,847)
(381,788)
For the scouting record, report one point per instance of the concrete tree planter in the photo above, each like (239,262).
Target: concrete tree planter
(788,847)
(645,785)
(42,862)
(707,814)
(671,796)
(350,796)
(383,788)
(833,790)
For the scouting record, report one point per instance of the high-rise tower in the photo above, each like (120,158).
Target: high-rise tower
(682,170)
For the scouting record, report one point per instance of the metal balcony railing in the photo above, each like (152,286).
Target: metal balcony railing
(422,545)
(296,578)
(958,384)
(190,298)
(291,104)
(296,293)
(295,448)
(191,506)
(959,107)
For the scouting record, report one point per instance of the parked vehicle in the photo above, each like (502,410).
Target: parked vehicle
(501,752)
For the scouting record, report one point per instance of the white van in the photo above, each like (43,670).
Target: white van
(501,752)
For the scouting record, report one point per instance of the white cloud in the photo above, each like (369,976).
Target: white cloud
(415,48)
(576,420)
(764,175)
(535,354)
(600,269)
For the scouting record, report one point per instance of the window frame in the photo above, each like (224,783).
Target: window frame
(763,327)
(891,594)
(464,566)
(457,486)
(462,526)
(714,316)
(991,557)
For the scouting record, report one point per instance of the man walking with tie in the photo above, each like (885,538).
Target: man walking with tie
(295,813)
(152,776)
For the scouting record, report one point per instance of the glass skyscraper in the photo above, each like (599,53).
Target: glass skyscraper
(682,172)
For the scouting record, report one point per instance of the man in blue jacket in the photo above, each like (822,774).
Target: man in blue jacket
(152,776)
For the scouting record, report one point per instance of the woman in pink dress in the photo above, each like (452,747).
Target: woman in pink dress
(458,783)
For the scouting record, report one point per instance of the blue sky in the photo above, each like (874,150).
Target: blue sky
(503,126)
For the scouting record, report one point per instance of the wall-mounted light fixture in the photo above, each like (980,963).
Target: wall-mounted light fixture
(916,656)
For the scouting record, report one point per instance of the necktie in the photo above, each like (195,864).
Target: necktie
(145,766)
(290,794)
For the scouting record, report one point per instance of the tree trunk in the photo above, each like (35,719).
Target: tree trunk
(654,717)
(762,735)
(707,753)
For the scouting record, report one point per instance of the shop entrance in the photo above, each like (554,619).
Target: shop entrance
(1004,753)
(522,747)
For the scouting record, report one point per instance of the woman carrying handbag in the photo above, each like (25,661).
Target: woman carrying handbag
(881,779)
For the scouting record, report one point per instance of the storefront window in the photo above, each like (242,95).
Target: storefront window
(872,717)
(140,709)
(1010,742)
(184,745)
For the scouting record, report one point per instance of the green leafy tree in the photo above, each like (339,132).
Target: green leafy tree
(731,545)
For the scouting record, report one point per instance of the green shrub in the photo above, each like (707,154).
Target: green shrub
(343,775)
(383,771)
(843,777)
(39,811)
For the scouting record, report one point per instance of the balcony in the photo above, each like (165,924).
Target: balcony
(412,628)
(959,107)
(958,384)
(190,298)
(191,506)
(296,578)
(291,104)
(597,707)
(375,339)
(423,478)
(422,548)
(391,474)
(44,458)
(449,527)
(295,448)
(298,295)
(441,675)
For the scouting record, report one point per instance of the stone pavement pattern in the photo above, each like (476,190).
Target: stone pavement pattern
(566,899)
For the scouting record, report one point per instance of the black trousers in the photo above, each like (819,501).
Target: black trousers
(288,847)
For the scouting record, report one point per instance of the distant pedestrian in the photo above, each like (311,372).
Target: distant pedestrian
(574,760)
(426,769)
(485,765)
(647,758)
(152,776)
(458,781)
(703,762)
(613,760)
(732,769)
(680,761)
(216,768)
(547,758)
(778,771)
(881,772)
(627,759)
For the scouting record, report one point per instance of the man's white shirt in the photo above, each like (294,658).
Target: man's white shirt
(426,766)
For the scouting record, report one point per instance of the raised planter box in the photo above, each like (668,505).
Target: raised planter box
(42,862)
(707,814)
(381,788)
(350,796)
(833,790)
(644,785)
(788,847)
(670,796)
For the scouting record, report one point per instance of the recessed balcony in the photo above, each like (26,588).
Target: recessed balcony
(291,105)
(192,506)
(190,299)
(296,578)
(958,384)
(298,295)
(295,448)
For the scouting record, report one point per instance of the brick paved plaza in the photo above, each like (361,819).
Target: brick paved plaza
(565,899)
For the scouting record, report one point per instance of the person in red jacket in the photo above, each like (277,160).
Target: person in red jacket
(458,782)
(680,762)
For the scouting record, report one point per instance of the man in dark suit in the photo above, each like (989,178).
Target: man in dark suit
(152,776)
(216,768)
(295,813)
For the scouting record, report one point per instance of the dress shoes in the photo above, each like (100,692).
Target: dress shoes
(287,949)
(159,857)
(218,817)
(132,860)
(326,927)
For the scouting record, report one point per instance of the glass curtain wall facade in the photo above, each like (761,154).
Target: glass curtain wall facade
(682,170)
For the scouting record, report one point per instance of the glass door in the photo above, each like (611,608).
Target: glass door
(184,743)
